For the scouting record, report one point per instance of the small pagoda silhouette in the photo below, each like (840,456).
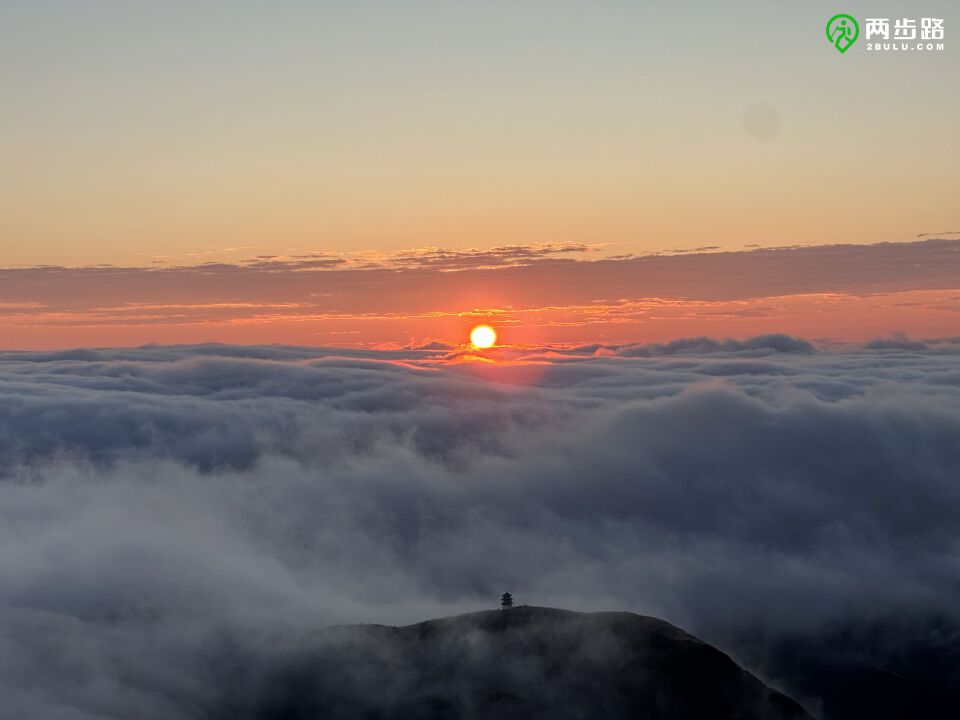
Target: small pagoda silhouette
(506,601)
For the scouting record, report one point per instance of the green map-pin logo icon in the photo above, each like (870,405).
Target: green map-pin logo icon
(842,31)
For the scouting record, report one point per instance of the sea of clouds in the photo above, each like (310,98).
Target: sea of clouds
(167,513)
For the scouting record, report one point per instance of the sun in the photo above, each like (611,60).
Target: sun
(483,336)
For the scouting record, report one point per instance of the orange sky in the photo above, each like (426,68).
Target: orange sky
(531,295)
(244,174)
(160,133)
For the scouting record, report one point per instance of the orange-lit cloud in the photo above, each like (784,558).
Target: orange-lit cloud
(531,295)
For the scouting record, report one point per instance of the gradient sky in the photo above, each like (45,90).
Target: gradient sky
(173,134)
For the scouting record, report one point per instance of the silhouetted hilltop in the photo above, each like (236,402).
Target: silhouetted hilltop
(525,662)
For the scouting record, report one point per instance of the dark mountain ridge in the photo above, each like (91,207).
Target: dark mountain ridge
(523,662)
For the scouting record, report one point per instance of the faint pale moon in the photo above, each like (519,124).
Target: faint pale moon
(761,121)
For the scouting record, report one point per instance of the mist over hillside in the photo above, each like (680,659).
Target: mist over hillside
(525,663)
(170,515)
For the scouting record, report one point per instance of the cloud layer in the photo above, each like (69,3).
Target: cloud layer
(160,506)
(536,294)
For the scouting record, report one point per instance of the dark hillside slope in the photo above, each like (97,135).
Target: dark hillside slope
(526,662)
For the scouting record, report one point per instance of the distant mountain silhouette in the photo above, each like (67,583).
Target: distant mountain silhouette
(527,663)
(883,669)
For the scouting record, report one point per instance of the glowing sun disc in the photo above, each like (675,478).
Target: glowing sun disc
(483,336)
